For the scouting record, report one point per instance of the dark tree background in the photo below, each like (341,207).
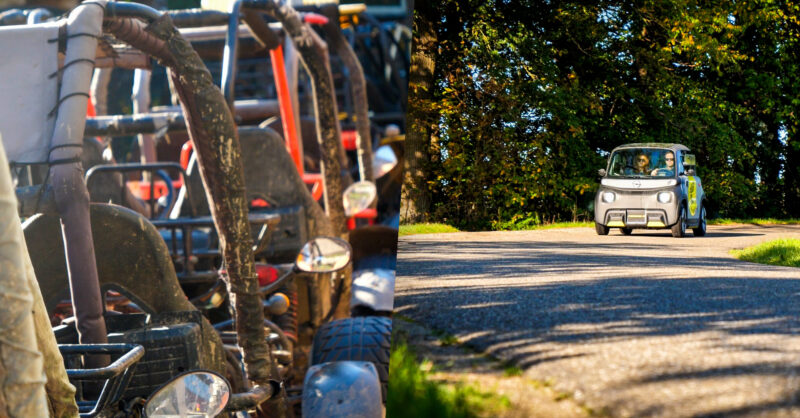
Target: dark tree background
(527,97)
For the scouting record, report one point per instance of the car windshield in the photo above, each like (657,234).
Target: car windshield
(642,162)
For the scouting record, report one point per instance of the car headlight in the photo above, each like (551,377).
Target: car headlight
(664,197)
(609,197)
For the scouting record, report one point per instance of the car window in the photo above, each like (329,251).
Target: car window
(643,163)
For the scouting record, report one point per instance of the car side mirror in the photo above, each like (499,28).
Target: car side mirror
(690,171)
(601,172)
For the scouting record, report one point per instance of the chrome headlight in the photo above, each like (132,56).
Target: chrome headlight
(665,197)
(609,197)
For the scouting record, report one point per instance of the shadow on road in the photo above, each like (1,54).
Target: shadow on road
(709,234)
(614,308)
(626,306)
(530,258)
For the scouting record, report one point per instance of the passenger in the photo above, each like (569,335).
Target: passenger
(641,164)
(669,170)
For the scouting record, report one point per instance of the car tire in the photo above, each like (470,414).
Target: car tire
(601,229)
(700,231)
(626,231)
(679,229)
(366,338)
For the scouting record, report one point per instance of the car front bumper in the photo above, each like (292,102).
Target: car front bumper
(637,209)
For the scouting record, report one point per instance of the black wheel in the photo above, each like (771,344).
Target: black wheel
(679,229)
(626,231)
(701,228)
(366,338)
(601,229)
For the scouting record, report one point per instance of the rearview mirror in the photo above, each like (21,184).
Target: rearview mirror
(383,161)
(324,255)
(358,197)
(195,394)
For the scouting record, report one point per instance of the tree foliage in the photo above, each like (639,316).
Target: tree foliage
(530,96)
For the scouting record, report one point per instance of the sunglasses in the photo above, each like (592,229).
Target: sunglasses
(642,160)
(670,159)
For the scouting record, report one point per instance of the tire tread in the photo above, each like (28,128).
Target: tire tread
(366,338)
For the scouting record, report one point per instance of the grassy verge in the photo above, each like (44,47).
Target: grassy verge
(413,391)
(426,228)
(780,252)
(438,228)
(528,224)
(555,225)
(754,221)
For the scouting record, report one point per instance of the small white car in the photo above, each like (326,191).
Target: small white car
(650,186)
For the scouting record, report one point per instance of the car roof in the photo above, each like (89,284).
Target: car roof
(674,147)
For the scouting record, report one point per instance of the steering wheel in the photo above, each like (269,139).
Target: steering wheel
(661,172)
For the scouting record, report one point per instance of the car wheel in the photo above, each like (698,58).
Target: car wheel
(626,231)
(601,229)
(679,229)
(701,228)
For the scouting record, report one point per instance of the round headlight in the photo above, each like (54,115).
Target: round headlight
(664,197)
(609,197)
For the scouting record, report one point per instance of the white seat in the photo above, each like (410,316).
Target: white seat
(28,92)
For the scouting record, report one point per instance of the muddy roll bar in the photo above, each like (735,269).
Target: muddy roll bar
(213,133)
(358,88)
(314,55)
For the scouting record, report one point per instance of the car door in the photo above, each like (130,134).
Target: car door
(690,188)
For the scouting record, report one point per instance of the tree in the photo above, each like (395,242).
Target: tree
(421,116)
(530,96)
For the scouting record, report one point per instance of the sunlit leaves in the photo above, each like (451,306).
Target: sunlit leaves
(530,94)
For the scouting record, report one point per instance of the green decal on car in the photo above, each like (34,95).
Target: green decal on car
(691,194)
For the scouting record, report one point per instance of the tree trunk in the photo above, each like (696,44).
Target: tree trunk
(422,121)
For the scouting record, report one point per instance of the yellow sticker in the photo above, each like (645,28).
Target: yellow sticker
(691,194)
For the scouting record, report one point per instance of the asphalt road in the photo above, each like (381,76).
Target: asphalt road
(641,325)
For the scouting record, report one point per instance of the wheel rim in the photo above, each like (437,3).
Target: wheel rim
(703,219)
(683,222)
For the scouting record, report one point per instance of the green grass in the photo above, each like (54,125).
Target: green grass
(448,340)
(512,371)
(413,393)
(780,252)
(555,225)
(426,228)
(527,224)
(754,221)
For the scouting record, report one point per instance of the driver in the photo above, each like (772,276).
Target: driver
(669,170)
